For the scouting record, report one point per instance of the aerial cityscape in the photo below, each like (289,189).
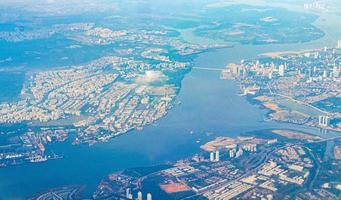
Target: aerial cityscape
(148,99)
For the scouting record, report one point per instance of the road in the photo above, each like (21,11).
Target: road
(248,173)
(297,101)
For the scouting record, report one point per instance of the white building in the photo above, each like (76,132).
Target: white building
(324,121)
(336,72)
(139,195)
(239,153)
(281,70)
(231,152)
(128,194)
(217,158)
(338,44)
(211,156)
(149,196)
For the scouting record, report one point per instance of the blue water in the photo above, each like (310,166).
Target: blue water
(10,84)
(208,104)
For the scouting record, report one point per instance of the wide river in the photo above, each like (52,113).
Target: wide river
(208,105)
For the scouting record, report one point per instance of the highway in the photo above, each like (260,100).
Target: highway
(297,101)
(303,103)
(248,173)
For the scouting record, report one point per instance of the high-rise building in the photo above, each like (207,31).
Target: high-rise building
(139,195)
(324,121)
(338,44)
(128,193)
(336,72)
(149,196)
(317,5)
(231,152)
(250,147)
(217,156)
(321,120)
(281,70)
(211,156)
(239,153)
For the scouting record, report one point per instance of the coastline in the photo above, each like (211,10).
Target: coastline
(148,127)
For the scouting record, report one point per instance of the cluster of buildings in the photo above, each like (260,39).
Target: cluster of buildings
(233,71)
(214,157)
(139,195)
(279,170)
(324,121)
(93,99)
(122,185)
(19,35)
(215,177)
(228,191)
(160,37)
(156,54)
(237,151)
(104,98)
(317,5)
(203,176)
(293,84)
(289,165)
(232,147)
(105,32)
(31,146)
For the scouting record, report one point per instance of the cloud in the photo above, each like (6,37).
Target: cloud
(150,77)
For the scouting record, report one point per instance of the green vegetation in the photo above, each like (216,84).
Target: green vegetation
(304,109)
(332,104)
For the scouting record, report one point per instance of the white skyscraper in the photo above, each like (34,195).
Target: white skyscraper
(231,152)
(149,196)
(128,193)
(338,44)
(211,156)
(336,72)
(281,70)
(217,156)
(239,153)
(324,121)
(139,195)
